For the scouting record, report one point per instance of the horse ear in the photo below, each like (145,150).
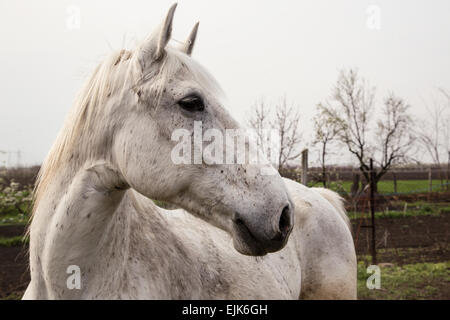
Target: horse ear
(188,46)
(153,48)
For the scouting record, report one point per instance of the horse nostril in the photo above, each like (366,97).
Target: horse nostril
(285,220)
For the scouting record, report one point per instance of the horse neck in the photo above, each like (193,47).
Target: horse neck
(91,220)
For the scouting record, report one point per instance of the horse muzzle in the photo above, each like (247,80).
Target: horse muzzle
(261,236)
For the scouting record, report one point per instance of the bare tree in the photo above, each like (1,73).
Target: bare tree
(446,132)
(430,133)
(434,132)
(287,124)
(394,133)
(283,119)
(261,122)
(325,132)
(353,112)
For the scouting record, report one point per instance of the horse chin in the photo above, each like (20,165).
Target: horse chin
(245,243)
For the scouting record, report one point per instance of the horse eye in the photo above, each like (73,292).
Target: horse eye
(192,103)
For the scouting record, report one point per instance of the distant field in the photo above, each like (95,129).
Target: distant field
(412,209)
(387,186)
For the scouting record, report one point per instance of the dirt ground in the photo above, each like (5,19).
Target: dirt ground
(406,240)
(14,273)
(399,240)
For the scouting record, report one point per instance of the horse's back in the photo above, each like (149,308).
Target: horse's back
(323,236)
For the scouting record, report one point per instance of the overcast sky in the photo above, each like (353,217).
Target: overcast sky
(254,48)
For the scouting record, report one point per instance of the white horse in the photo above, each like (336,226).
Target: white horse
(93,210)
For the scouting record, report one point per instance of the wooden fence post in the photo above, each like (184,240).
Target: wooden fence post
(448,171)
(305,167)
(372,211)
(355,185)
(430,181)
(430,184)
(394,176)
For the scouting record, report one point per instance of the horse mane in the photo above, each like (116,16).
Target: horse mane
(119,71)
(91,97)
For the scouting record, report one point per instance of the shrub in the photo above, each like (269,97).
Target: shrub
(14,199)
